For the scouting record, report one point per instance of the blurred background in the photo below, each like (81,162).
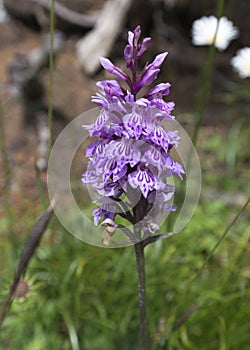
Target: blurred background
(81,297)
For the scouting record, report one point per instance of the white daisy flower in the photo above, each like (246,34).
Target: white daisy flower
(204,29)
(241,62)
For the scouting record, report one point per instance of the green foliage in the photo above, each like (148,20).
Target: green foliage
(82,297)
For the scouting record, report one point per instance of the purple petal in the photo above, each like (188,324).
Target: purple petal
(147,78)
(124,151)
(165,107)
(146,42)
(90,150)
(101,119)
(159,136)
(174,167)
(165,194)
(133,123)
(131,38)
(100,100)
(114,168)
(137,34)
(111,68)
(97,213)
(101,148)
(142,178)
(128,55)
(130,98)
(153,156)
(157,62)
(100,122)
(107,64)
(123,182)
(178,169)
(116,130)
(150,72)
(110,88)
(108,169)
(119,172)
(173,138)
(168,208)
(89,177)
(110,189)
(159,90)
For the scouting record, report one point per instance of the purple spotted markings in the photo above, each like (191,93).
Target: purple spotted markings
(129,161)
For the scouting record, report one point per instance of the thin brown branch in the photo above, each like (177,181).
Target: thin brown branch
(185,317)
(26,255)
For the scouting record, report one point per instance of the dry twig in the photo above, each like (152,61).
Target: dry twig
(27,253)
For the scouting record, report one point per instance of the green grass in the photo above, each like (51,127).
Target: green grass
(82,297)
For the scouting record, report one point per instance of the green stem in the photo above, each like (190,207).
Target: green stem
(206,78)
(140,265)
(6,171)
(40,189)
(51,67)
(4,156)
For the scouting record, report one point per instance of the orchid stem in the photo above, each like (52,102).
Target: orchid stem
(140,265)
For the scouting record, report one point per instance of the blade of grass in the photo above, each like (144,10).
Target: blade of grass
(8,211)
(51,68)
(228,228)
(4,156)
(40,189)
(72,331)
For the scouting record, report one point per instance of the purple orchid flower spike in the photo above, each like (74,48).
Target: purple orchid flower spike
(130,161)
